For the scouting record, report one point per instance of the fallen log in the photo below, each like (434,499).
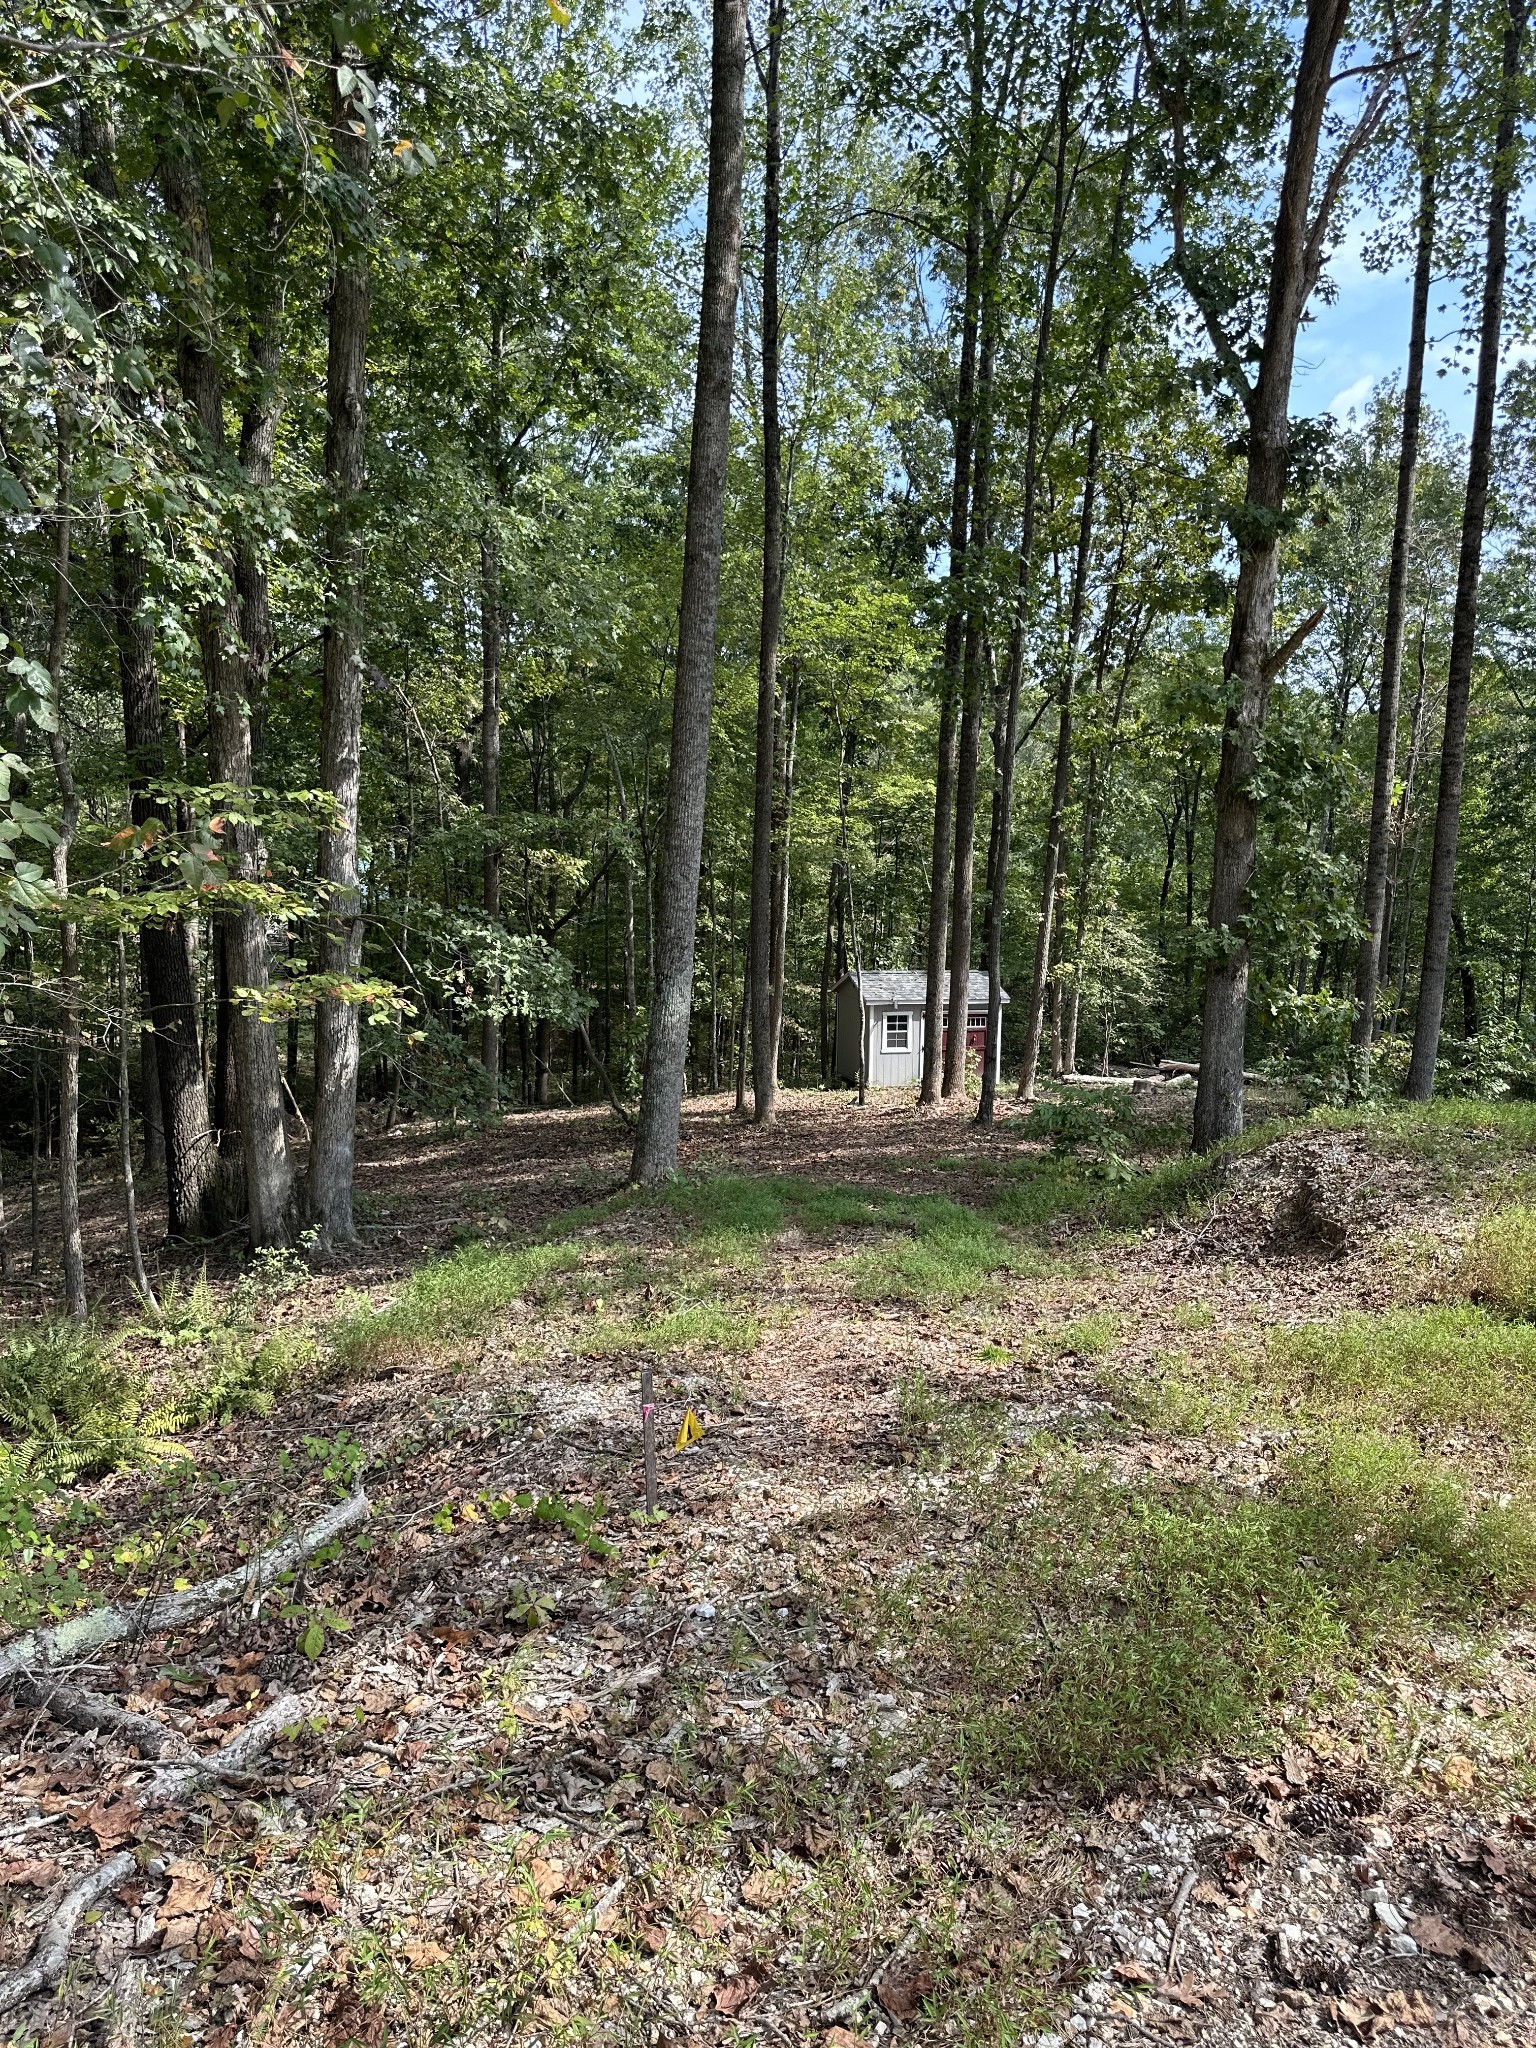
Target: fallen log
(45,1966)
(234,1760)
(40,1649)
(72,1706)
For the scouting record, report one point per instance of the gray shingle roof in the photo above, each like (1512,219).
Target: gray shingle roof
(884,987)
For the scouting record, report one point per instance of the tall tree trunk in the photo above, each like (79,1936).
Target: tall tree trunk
(1251,661)
(1469,1010)
(1006,722)
(69,930)
(252,1107)
(1458,681)
(191,1162)
(659,1123)
(974,665)
(784,808)
(761,917)
(141,1278)
(490,764)
(1052,896)
(1378,850)
(954,624)
(1100,770)
(332,1158)
(149,1093)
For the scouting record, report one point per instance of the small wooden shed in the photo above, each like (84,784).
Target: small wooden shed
(893,1023)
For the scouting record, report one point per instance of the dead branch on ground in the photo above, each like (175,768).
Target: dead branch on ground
(41,1648)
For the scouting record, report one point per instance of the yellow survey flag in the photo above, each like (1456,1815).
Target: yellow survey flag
(692,1432)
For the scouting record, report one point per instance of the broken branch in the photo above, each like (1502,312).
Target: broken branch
(45,1966)
(40,1648)
(72,1706)
(234,1760)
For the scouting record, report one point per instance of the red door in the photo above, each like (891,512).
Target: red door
(975,1034)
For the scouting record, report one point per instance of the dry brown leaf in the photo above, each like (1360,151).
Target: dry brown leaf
(902,1991)
(112,1821)
(420,1953)
(735,1993)
(549,1879)
(192,1889)
(34,1870)
(841,2037)
(764,1886)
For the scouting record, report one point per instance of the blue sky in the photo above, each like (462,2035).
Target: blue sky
(1362,337)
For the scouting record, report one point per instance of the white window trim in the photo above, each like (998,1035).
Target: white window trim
(887,1044)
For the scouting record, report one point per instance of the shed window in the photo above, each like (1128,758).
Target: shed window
(898,1031)
(975,1020)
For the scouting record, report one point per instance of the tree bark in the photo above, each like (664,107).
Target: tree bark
(954,624)
(191,1162)
(784,809)
(1100,770)
(1378,848)
(1006,726)
(1250,660)
(490,766)
(251,1110)
(973,669)
(141,1278)
(333,1149)
(659,1123)
(69,931)
(760,924)
(1458,682)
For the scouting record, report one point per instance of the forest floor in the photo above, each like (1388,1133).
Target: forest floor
(1098,1608)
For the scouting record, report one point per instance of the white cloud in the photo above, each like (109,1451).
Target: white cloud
(1353,397)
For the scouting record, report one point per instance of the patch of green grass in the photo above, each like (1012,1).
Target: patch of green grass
(710,1325)
(1449,1367)
(1192,1315)
(452,1298)
(1115,1194)
(1499,1265)
(928,1248)
(952,1254)
(1453,1131)
(1110,1629)
(1090,1336)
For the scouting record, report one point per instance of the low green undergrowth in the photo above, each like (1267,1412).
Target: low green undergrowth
(711,1325)
(1447,1371)
(445,1302)
(921,1247)
(1448,1367)
(1498,1267)
(1112,1628)
(67,1407)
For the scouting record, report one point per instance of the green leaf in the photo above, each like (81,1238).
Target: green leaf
(312,1642)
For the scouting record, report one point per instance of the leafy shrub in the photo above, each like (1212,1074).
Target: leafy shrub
(237,1375)
(1499,1265)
